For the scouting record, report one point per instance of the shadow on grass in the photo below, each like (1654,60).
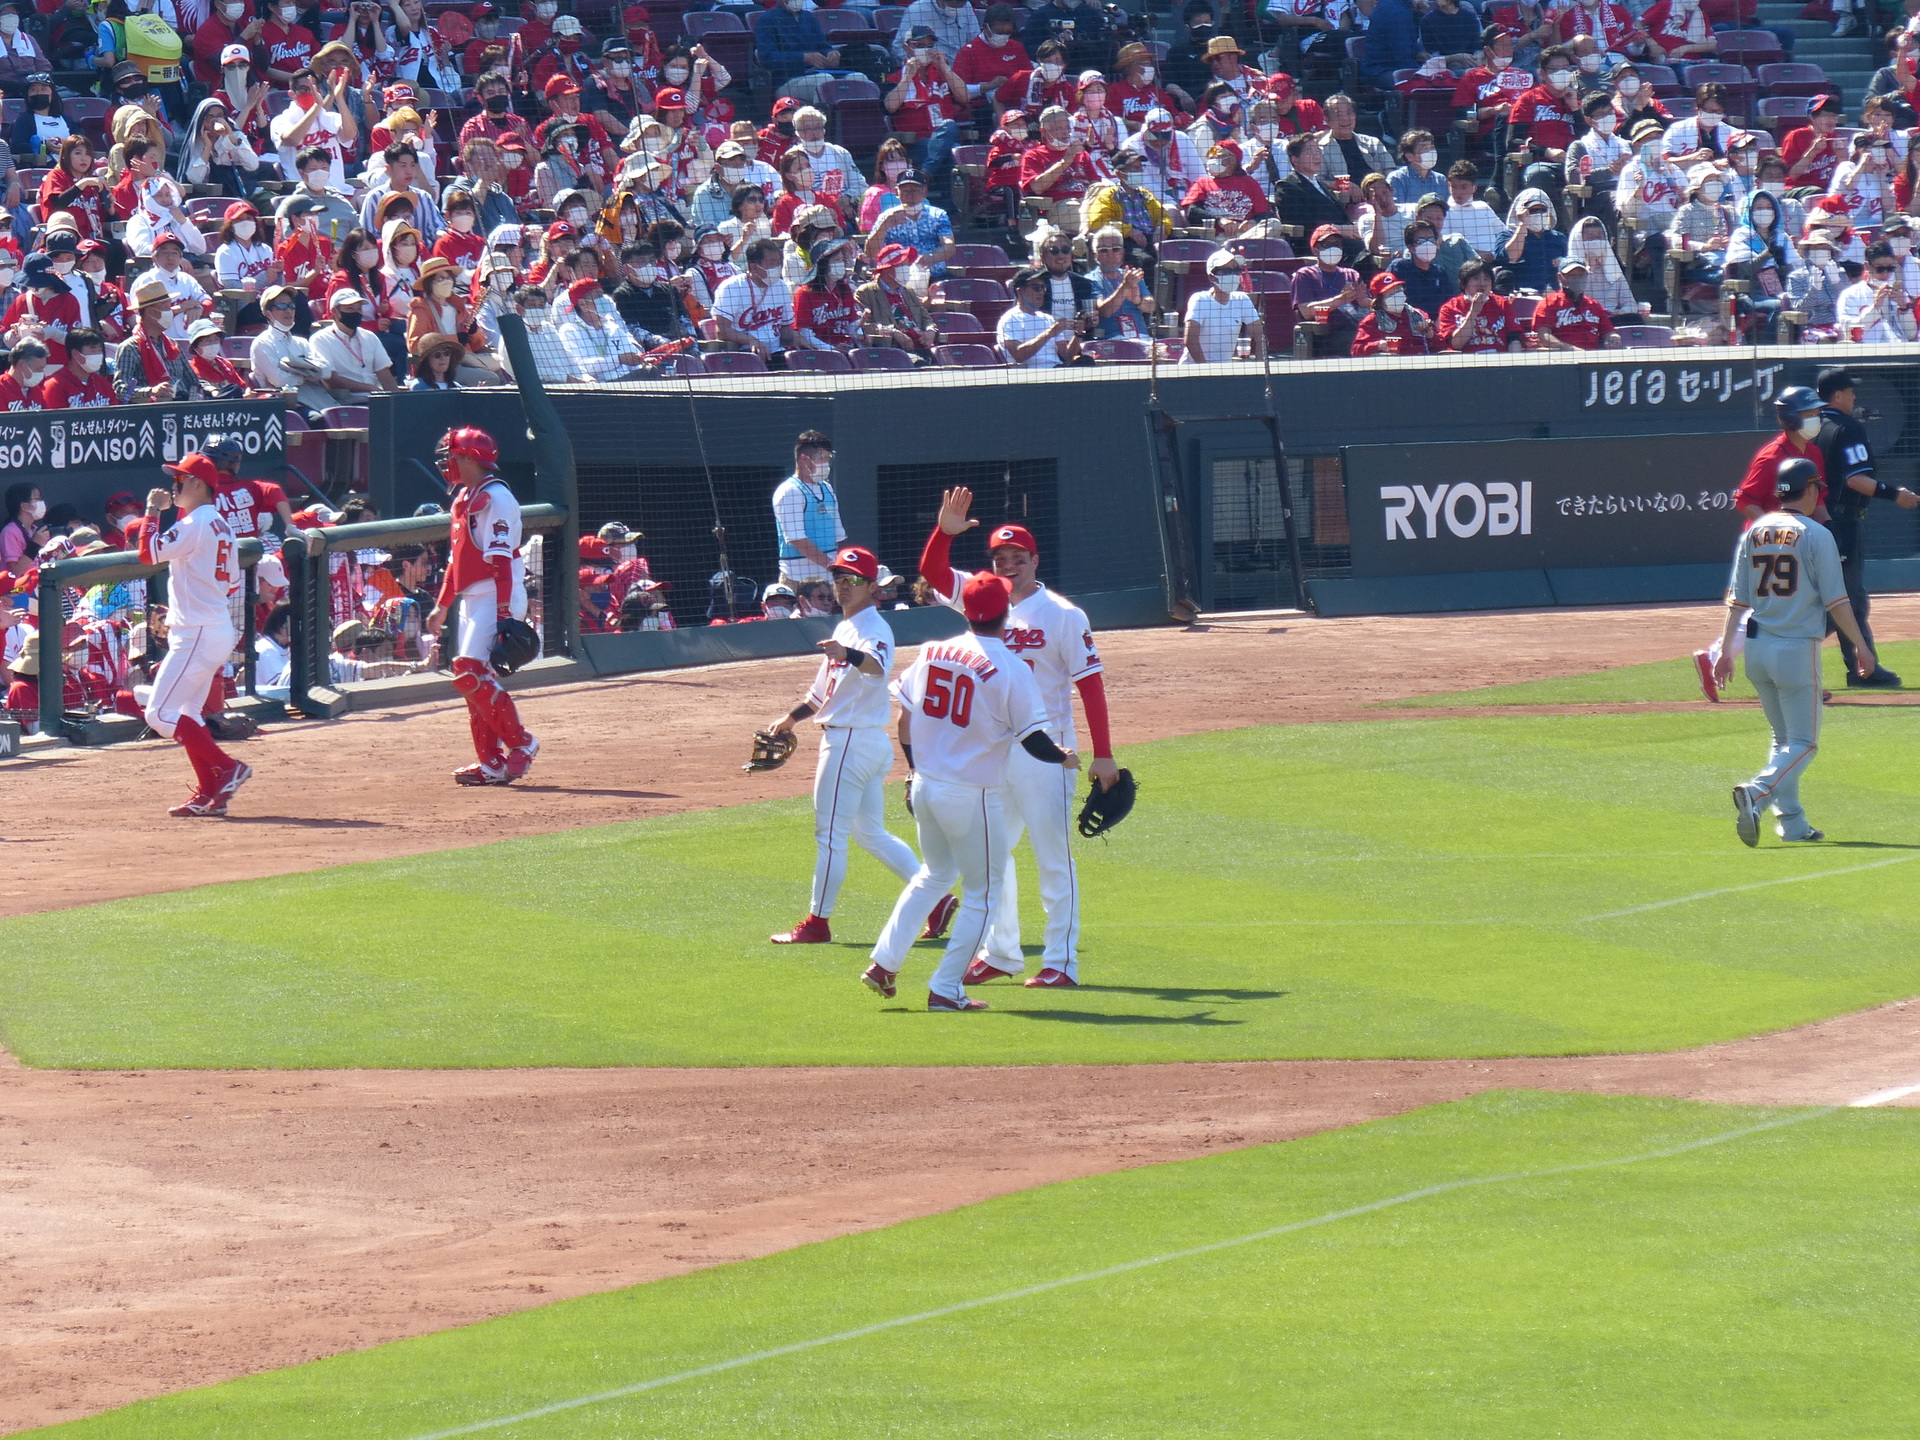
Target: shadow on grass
(1866,845)
(581,790)
(1180,996)
(1205,1018)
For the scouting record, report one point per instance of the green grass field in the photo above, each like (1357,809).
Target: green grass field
(1635,684)
(1760,1285)
(1519,885)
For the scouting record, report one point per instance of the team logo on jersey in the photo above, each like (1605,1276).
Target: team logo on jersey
(1020,638)
(500,527)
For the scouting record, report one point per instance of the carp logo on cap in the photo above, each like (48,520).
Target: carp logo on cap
(1013,535)
(857,560)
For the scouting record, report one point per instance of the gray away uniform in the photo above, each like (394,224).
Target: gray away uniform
(1788,569)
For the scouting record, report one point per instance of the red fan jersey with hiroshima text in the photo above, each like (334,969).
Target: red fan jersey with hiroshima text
(203,566)
(486,538)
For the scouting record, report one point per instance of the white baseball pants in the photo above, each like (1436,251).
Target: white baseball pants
(194,656)
(963,835)
(1038,798)
(1787,675)
(479,622)
(850,802)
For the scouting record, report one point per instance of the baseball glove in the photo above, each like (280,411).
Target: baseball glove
(514,645)
(1107,808)
(771,750)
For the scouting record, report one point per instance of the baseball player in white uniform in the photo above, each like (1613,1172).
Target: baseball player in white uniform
(850,701)
(203,571)
(1052,635)
(964,704)
(1787,570)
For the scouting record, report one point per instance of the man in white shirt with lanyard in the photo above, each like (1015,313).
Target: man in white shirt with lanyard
(754,309)
(964,704)
(849,700)
(203,572)
(355,361)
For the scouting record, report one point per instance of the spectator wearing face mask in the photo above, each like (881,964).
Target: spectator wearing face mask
(1416,177)
(1702,226)
(26,368)
(1611,25)
(550,356)
(1814,151)
(1225,194)
(283,361)
(1544,119)
(1677,32)
(1606,281)
(837,179)
(1428,285)
(648,297)
(1814,289)
(826,313)
(926,102)
(1530,245)
(1328,293)
(1568,318)
(925,228)
(20,53)
(1047,84)
(317,119)
(1169,160)
(334,214)
(1649,192)
(82,382)
(1490,89)
(1393,325)
(990,59)
(1864,180)
(243,261)
(754,310)
(1126,207)
(1762,252)
(1598,157)
(496,119)
(710,269)
(952,25)
(1220,315)
(598,347)
(356,362)
(1125,300)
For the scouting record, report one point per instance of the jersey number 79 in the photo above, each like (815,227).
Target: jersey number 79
(1779,575)
(949,696)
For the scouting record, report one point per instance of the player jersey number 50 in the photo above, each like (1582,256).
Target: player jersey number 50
(949,696)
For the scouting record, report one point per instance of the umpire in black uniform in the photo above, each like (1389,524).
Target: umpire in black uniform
(1851,484)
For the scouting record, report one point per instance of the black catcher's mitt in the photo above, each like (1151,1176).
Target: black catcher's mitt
(1107,808)
(771,750)
(514,645)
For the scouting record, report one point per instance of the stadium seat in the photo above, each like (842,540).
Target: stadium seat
(880,358)
(236,347)
(960,322)
(987,299)
(1260,253)
(1645,337)
(967,357)
(858,117)
(967,257)
(1742,93)
(1790,110)
(1750,48)
(686,363)
(1523,308)
(848,27)
(1795,79)
(1681,107)
(344,417)
(826,362)
(206,210)
(887,19)
(723,36)
(1664,82)
(1117,352)
(735,362)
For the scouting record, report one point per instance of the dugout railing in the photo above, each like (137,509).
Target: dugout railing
(116,567)
(307,556)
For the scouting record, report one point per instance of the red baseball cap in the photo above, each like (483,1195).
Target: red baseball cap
(786,105)
(560,230)
(1013,535)
(985,597)
(857,560)
(560,85)
(198,466)
(583,290)
(670,98)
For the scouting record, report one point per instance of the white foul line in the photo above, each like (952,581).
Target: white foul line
(641,1387)
(1883,1097)
(1738,889)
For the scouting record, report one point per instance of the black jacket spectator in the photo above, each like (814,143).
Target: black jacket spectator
(1886,81)
(655,308)
(1301,202)
(1456,34)
(1089,25)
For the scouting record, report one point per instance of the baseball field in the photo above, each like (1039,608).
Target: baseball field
(1442,1065)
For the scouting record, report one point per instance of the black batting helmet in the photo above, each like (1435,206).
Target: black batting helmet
(1795,401)
(1793,477)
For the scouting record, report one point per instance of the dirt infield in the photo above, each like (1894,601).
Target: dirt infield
(163,1230)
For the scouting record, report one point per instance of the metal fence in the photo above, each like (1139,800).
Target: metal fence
(316,561)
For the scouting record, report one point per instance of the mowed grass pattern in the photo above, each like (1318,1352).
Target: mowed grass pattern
(1761,1288)
(1420,888)
(1661,680)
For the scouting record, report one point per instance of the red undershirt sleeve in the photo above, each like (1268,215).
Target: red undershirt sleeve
(146,525)
(502,567)
(935,566)
(1093,695)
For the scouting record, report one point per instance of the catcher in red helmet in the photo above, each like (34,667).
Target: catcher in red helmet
(485,573)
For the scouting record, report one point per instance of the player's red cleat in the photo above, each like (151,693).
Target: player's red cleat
(965,1002)
(198,806)
(811,931)
(878,978)
(520,758)
(1703,662)
(479,774)
(236,777)
(943,912)
(979,972)
(1052,979)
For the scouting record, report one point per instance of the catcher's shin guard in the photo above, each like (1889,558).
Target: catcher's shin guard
(475,682)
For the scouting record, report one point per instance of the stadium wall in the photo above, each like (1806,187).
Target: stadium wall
(1074,455)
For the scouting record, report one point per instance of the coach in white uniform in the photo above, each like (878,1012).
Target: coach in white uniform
(963,704)
(849,700)
(1053,636)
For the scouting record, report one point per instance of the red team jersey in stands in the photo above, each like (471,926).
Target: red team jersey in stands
(60,391)
(1582,323)
(829,315)
(1550,113)
(1488,333)
(248,506)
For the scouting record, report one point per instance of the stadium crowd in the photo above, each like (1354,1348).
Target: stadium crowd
(262,198)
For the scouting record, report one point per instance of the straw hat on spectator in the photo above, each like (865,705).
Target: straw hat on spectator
(348,631)
(149,292)
(346,299)
(427,344)
(61,222)
(815,217)
(436,265)
(1223,45)
(615,533)
(29,661)
(1130,53)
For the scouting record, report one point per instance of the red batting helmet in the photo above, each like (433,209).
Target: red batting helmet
(471,441)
